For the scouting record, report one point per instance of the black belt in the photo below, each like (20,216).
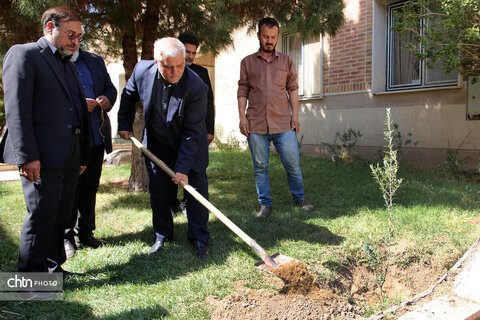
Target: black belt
(76,131)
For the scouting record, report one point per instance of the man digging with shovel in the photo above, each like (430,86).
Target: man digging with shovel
(174,106)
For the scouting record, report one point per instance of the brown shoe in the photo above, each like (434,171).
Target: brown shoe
(264,212)
(307,206)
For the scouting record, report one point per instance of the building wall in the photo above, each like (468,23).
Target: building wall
(348,55)
(227,73)
(354,95)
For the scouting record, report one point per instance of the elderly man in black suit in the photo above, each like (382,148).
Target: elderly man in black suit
(47,135)
(174,106)
(101,95)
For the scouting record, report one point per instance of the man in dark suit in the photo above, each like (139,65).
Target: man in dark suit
(174,106)
(101,95)
(47,135)
(191,44)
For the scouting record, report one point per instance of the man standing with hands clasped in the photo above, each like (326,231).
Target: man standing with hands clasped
(101,95)
(174,106)
(47,135)
(268,80)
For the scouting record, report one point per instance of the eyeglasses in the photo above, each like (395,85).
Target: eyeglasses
(72,36)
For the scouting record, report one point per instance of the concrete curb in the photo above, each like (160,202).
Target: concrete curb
(464,301)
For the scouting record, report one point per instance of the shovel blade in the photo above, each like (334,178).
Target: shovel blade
(279,260)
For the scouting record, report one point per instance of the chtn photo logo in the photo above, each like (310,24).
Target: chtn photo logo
(17,282)
(31,286)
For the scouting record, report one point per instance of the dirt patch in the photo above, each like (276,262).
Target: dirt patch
(113,185)
(268,304)
(303,295)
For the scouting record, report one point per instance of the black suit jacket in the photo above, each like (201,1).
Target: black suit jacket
(203,74)
(103,86)
(187,109)
(38,108)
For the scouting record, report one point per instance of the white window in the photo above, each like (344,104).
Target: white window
(404,70)
(307,56)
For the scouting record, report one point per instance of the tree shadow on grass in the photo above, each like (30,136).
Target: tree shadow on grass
(178,258)
(8,252)
(156,312)
(72,310)
(146,236)
(134,200)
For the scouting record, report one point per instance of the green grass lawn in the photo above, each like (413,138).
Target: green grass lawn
(436,220)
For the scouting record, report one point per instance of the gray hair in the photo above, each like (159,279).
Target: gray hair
(170,47)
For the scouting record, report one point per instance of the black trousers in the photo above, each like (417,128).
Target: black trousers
(49,204)
(83,213)
(163,196)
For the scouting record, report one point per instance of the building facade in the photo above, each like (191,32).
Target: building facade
(348,81)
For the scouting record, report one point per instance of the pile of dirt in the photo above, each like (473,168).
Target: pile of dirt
(301,295)
(296,278)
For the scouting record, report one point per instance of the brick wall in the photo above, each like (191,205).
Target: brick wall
(348,55)
(205,60)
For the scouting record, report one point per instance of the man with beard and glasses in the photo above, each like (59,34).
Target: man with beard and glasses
(47,135)
(268,80)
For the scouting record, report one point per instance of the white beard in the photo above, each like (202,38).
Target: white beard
(75,56)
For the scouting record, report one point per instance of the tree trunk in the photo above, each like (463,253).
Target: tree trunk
(150,28)
(138,177)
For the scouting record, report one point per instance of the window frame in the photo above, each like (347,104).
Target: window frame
(423,68)
(302,95)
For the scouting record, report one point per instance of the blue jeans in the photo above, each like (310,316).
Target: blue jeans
(286,145)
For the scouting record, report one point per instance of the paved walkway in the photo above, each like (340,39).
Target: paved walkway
(9,175)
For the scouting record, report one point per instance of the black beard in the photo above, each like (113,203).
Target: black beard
(264,49)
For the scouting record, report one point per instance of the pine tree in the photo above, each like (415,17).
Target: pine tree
(128,27)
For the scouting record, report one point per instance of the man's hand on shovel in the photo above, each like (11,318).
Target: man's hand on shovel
(126,135)
(180,176)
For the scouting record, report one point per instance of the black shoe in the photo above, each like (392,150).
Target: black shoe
(157,246)
(70,246)
(264,212)
(201,248)
(90,241)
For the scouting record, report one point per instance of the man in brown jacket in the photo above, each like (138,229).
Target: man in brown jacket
(268,80)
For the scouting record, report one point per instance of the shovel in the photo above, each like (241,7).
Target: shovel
(268,263)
